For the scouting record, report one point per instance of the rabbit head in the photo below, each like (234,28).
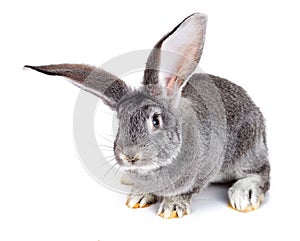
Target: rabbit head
(150,118)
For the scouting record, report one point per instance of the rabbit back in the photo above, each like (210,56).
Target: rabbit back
(245,149)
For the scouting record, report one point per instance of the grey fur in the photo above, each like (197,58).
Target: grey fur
(211,131)
(96,81)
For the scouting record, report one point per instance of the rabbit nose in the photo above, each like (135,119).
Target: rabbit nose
(129,158)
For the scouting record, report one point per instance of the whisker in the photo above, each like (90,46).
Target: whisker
(117,170)
(109,147)
(109,157)
(105,150)
(109,170)
(107,112)
(111,141)
(106,163)
(105,134)
(111,160)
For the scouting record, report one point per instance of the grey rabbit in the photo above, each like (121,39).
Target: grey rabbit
(180,132)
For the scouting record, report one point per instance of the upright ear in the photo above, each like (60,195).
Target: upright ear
(175,57)
(91,79)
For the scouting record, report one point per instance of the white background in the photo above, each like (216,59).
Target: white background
(46,194)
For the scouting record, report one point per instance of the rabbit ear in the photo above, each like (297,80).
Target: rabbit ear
(91,79)
(175,57)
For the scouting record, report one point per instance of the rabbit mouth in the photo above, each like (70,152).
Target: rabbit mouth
(143,162)
(138,165)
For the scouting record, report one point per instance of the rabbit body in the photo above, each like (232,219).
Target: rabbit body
(181,131)
(243,153)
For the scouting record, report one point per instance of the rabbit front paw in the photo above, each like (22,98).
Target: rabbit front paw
(174,207)
(125,180)
(245,195)
(140,200)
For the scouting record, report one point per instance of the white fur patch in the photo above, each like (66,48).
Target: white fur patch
(245,195)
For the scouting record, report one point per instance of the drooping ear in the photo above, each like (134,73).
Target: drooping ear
(91,79)
(175,57)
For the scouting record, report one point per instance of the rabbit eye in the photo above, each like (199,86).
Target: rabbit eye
(155,121)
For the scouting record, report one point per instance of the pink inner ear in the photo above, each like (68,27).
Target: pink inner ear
(173,83)
(170,84)
(180,53)
(168,79)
